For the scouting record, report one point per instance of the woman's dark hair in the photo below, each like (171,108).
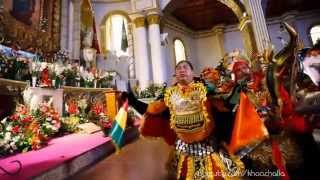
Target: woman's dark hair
(185,61)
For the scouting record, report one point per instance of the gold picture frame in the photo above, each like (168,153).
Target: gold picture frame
(32,25)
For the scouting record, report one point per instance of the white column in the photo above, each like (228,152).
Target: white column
(254,7)
(157,57)
(142,63)
(64,24)
(76,41)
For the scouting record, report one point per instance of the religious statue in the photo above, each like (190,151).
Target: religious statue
(45,79)
(89,54)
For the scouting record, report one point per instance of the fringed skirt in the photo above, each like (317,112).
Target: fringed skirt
(204,160)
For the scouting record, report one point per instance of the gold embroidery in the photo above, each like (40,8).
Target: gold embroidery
(187,107)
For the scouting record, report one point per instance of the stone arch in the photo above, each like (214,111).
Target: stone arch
(102,26)
(245,24)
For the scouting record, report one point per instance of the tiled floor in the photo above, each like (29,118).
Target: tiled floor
(144,159)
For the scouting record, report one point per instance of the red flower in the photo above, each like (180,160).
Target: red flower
(73,108)
(14,117)
(97,108)
(27,119)
(16,129)
(106,124)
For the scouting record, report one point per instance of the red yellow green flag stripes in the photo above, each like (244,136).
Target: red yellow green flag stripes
(119,126)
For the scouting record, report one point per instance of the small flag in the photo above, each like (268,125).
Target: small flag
(248,127)
(124,39)
(119,127)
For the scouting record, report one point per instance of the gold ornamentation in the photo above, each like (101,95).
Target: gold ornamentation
(209,168)
(233,6)
(139,22)
(189,114)
(180,164)
(190,168)
(29,38)
(187,102)
(153,19)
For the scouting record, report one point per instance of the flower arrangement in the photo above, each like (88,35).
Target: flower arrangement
(97,116)
(72,107)
(87,77)
(70,74)
(25,130)
(48,119)
(151,92)
(96,112)
(72,120)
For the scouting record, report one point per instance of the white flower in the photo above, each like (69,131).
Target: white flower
(43,66)
(69,66)
(7,136)
(49,119)
(16,138)
(4,120)
(6,147)
(9,128)
(13,146)
(2,142)
(59,68)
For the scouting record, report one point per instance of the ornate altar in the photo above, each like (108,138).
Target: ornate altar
(31,25)
(107,96)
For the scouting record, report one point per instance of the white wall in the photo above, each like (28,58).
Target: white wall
(232,40)
(208,52)
(169,49)
(202,52)
(102,9)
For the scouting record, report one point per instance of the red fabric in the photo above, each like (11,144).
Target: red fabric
(292,120)
(158,126)
(237,65)
(257,79)
(277,160)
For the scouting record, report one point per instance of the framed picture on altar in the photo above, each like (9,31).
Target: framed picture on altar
(32,25)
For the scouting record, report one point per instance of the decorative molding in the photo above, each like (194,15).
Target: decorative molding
(123,13)
(139,22)
(153,19)
(216,30)
(233,6)
(143,5)
(244,22)
(299,16)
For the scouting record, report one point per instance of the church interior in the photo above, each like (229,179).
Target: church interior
(84,83)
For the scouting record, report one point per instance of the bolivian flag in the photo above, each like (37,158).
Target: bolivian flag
(248,127)
(119,126)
